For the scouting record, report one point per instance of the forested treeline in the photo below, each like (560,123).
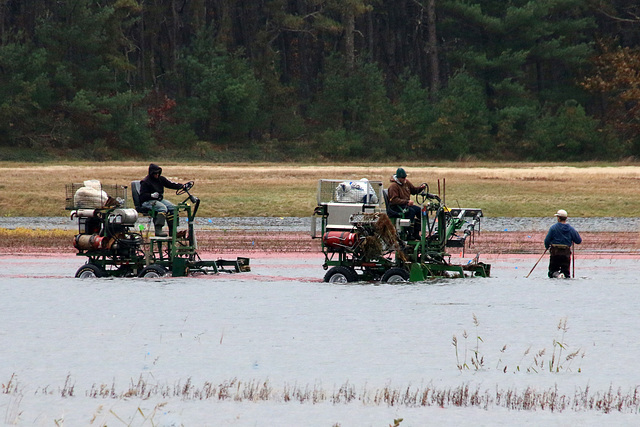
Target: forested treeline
(334,79)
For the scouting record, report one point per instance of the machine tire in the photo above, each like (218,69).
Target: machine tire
(340,275)
(152,271)
(90,271)
(395,275)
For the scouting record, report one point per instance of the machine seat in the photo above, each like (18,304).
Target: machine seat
(135,193)
(391,213)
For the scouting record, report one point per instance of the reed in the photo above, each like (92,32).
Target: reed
(255,391)
(529,362)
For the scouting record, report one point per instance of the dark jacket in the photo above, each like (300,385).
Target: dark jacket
(150,184)
(562,234)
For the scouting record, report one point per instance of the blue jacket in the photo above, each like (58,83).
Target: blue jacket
(562,234)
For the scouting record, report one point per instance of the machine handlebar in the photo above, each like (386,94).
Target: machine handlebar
(422,196)
(185,188)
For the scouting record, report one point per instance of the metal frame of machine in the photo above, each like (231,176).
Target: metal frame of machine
(370,246)
(115,247)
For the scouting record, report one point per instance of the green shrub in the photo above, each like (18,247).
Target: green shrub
(565,134)
(352,108)
(462,120)
(224,96)
(339,143)
(414,114)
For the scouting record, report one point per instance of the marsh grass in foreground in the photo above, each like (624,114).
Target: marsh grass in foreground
(235,390)
(529,362)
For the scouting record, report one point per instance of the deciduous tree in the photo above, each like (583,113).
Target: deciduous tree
(617,78)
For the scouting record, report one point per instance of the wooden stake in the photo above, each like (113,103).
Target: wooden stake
(536,264)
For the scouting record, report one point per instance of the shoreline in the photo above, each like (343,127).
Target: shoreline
(270,244)
(319,257)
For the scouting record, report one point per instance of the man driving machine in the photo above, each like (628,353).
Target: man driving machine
(400,192)
(152,197)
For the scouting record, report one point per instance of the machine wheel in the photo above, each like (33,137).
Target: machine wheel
(153,271)
(341,274)
(395,275)
(90,271)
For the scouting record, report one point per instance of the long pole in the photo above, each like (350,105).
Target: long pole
(573,260)
(444,191)
(536,264)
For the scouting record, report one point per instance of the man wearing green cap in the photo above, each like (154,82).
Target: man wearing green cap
(400,193)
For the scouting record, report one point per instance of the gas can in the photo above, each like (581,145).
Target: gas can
(339,239)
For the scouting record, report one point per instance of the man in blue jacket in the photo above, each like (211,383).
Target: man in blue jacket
(560,238)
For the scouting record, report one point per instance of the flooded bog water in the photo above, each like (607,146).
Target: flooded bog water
(282,326)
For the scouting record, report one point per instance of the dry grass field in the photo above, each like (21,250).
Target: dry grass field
(240,190)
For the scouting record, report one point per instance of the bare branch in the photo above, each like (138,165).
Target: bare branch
(635,17)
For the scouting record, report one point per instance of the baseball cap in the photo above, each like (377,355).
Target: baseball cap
(562,213)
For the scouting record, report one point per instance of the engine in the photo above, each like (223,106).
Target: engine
(110,232)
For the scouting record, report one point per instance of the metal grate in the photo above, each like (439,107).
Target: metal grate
(94,195)
(364,218)
(349,191)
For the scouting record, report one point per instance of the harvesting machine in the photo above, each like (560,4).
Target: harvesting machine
(116,245)
(361,242)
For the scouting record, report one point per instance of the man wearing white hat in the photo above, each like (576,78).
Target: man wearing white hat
(560,238)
